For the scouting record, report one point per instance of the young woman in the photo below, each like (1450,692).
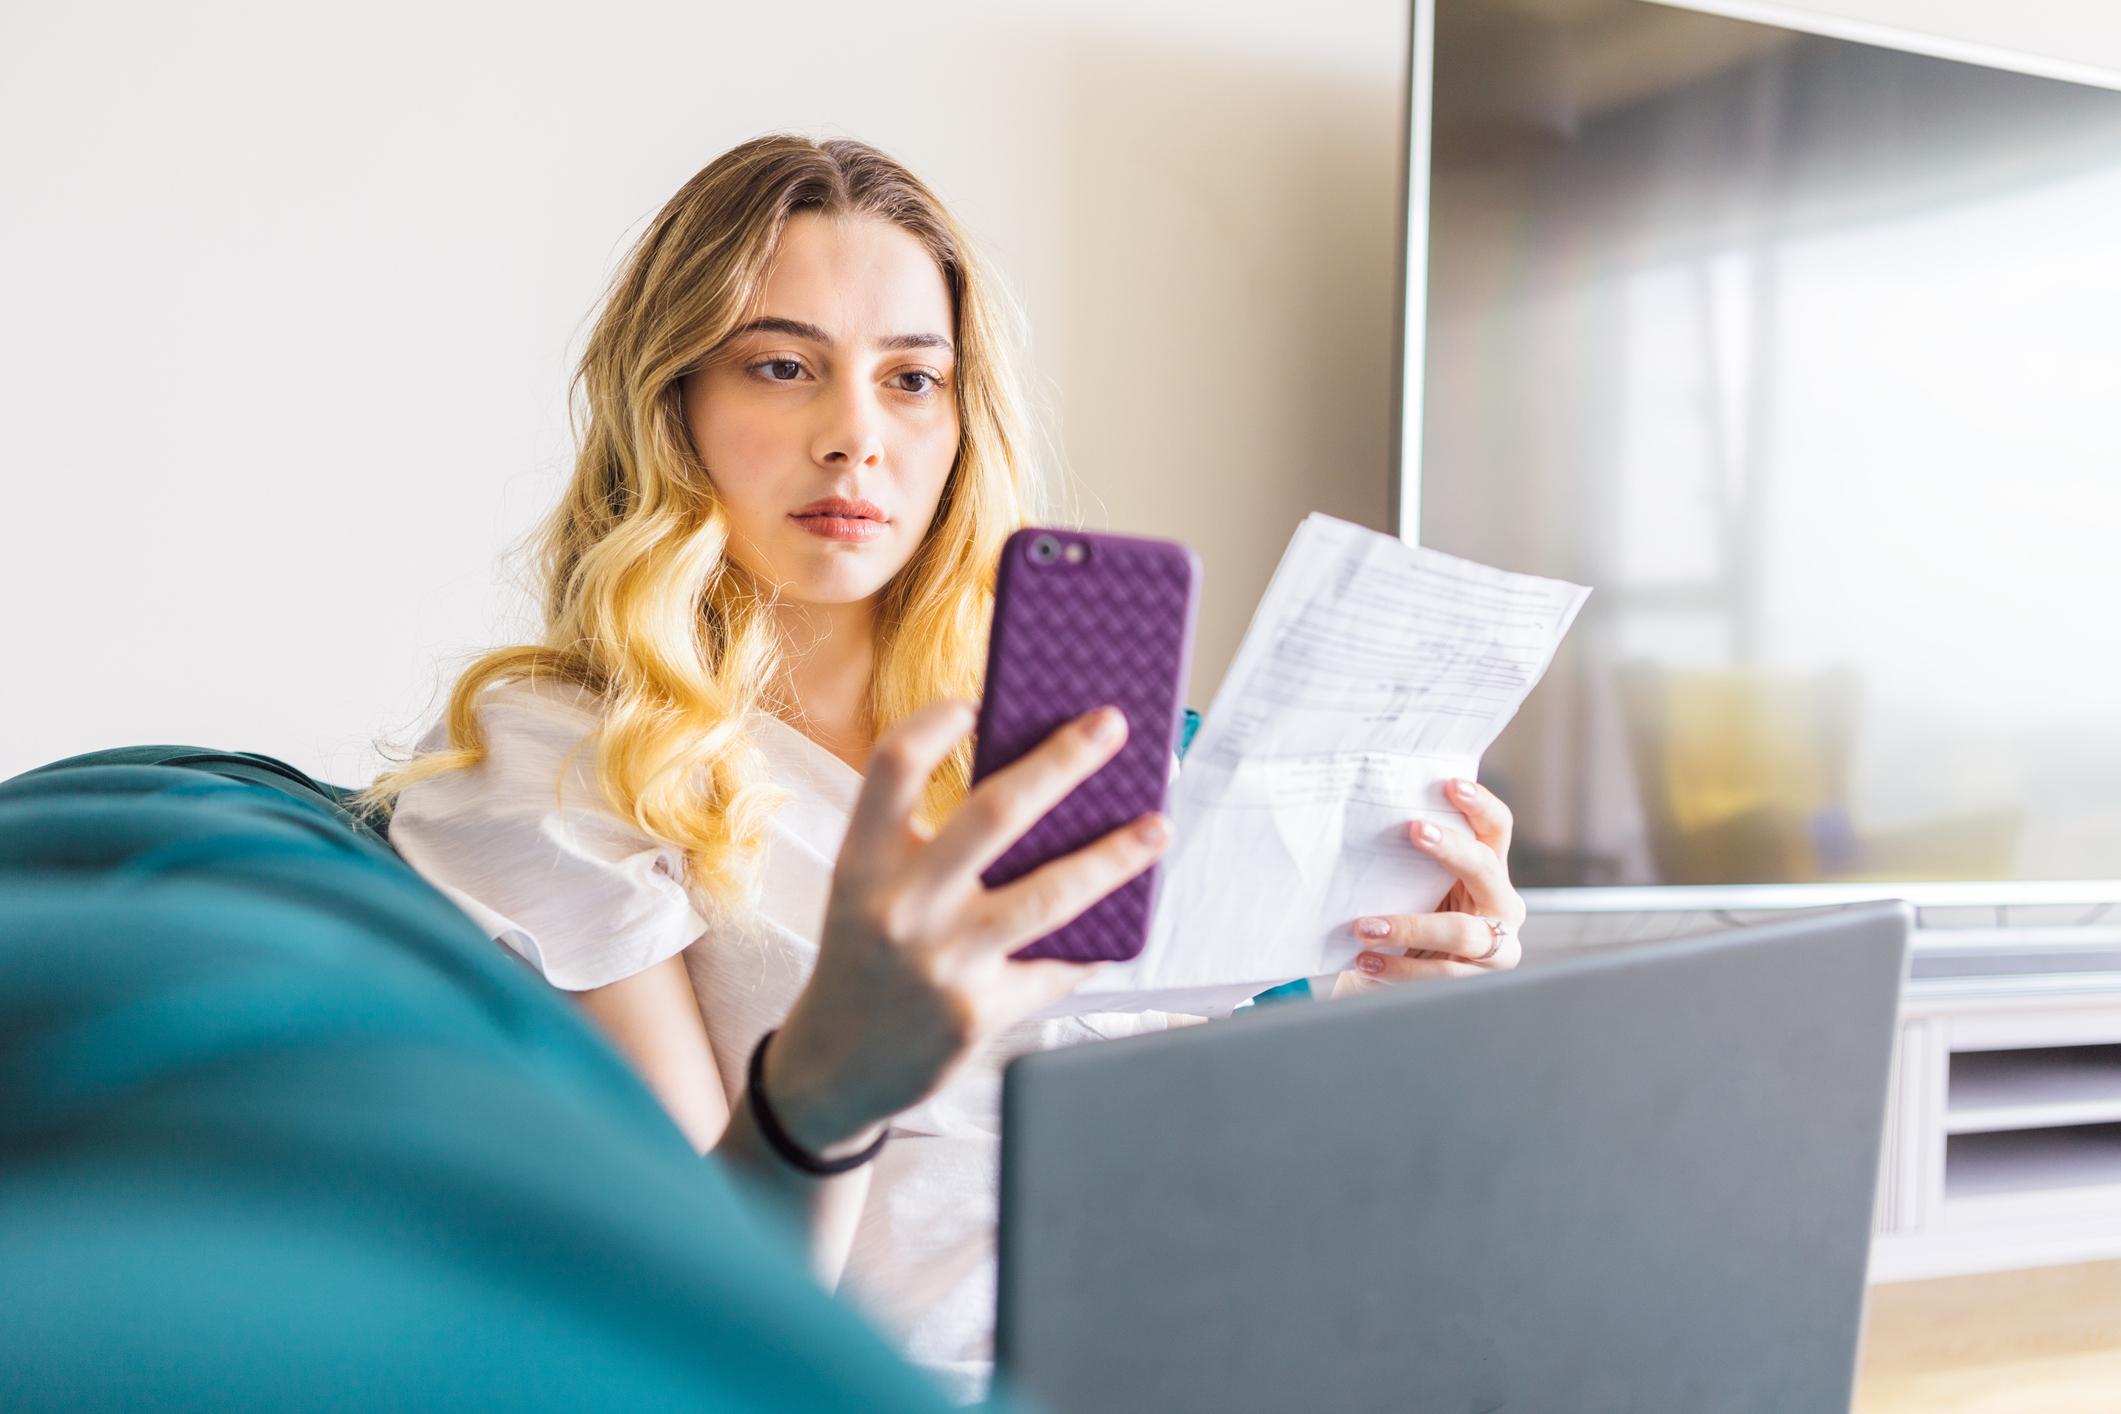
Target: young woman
(725,800)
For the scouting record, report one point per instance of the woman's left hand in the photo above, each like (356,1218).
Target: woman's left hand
(1474,929)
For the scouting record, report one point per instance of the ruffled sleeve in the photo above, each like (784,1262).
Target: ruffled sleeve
(526,845)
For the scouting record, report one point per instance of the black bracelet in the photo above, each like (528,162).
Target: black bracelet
(782,1143)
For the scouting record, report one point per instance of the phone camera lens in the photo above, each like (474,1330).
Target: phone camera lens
(1045,550)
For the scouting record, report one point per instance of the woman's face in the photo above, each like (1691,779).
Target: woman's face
(829,423)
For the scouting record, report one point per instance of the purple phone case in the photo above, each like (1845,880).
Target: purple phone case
(1115,628)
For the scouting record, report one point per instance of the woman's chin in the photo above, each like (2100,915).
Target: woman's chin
(848,579)
(811,569)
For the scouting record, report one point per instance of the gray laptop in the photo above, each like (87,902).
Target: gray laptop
(1633,1180)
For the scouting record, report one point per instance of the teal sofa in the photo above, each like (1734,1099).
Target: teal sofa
(283,1130)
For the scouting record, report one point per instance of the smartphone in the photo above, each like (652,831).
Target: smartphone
(1084,621)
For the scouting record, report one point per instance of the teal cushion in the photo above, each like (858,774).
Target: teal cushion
(283,1129)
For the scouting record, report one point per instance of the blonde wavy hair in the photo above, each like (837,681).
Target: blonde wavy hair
(642,605)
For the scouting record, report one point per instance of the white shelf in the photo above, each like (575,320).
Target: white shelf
(2003,1146)
(2041,1087)
(2031,1161)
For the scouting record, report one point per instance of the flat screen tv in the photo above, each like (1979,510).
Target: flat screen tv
(1804,350)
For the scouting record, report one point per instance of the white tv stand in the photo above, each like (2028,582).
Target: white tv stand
(2003,1131)
(2002,1143)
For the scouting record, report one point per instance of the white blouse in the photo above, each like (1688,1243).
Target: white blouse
(527,846)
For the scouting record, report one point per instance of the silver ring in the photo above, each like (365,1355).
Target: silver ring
(1497,931)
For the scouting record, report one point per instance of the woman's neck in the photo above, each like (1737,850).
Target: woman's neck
(830,652)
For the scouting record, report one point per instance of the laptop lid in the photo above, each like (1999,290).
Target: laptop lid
(1632,1180)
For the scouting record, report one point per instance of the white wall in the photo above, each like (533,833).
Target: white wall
(2068,32)
(291,294)
(288,299)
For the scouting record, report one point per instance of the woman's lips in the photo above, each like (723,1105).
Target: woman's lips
(837,518)
(841,527)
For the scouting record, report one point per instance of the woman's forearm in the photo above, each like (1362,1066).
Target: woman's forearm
(655,1020)
(828,1209)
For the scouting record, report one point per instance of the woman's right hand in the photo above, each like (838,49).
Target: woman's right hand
(913,969)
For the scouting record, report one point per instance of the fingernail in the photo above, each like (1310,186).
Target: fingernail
(1154,832)
(1370,962)
(1465,788)
(1372,928)
(1426,833)
(1108,726)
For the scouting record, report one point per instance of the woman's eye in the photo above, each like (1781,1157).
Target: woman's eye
(918,381)
(778,370)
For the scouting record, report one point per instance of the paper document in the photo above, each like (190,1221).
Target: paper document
(1372,673)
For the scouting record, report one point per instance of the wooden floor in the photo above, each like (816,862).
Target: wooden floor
(2044,1341)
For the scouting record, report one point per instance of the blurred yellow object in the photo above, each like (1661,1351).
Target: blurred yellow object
(1743,774)
(1744,779)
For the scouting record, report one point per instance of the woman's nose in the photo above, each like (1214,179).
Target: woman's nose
(851,433)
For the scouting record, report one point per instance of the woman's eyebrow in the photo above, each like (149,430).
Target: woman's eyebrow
(797,329)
